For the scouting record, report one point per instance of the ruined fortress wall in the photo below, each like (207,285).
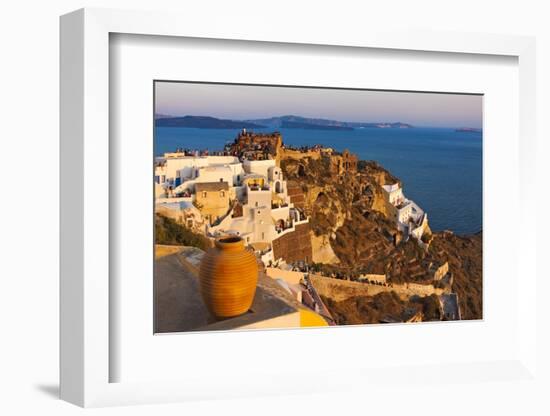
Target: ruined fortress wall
(298,155)
(343,163)
(294,246)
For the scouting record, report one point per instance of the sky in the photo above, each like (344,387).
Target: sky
(243,102)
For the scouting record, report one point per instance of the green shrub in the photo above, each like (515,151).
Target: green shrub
(168,231)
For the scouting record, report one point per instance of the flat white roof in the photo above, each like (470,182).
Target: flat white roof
(391,188)
(216,168)
(267,162)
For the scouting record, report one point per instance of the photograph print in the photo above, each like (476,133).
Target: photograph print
(289,207)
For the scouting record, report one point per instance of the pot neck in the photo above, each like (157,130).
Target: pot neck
(230,244)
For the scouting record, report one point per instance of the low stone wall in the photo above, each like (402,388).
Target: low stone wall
(287,275)
(339,290)
(380,278)
(417,288)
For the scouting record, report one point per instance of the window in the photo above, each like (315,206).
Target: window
(222,194)
(257,205)
(204,194)
(221,179)
(263,236)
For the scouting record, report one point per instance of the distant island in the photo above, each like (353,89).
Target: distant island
(288,122)
(292,121)
(308,126)
(157,116)
(204,122)
(468,130)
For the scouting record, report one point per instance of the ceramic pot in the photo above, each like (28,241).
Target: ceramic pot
(228,277)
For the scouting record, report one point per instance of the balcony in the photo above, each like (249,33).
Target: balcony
(278,206)
(256,188)
(282,226)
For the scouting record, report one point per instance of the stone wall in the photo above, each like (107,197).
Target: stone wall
(339,290)
(379,278)
(296,195)
(286,153)
(343,163)
(294,246)
(417,288)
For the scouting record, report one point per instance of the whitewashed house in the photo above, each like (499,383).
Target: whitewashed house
(410,218)
(261,210)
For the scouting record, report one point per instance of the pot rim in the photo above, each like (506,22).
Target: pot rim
(229,242)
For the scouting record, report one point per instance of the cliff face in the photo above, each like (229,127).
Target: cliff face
(348,214)
(378,177)
(383,307)
(353,232)
(465,261)
(322,251)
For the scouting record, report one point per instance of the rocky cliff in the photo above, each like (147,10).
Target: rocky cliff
(353,233)
(348,215)
(465,261)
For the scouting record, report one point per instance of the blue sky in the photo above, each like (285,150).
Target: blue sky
(240,102)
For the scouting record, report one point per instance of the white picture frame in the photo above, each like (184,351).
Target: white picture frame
(86,355)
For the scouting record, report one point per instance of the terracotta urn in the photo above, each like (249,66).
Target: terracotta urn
(228,277)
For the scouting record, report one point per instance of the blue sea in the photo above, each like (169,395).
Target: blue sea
(441,169)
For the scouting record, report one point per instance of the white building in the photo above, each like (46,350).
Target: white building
(261,210)
(410,218)
(175,168)
(394,193)
(265,212)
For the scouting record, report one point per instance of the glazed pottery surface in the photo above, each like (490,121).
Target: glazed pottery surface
(228,277)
